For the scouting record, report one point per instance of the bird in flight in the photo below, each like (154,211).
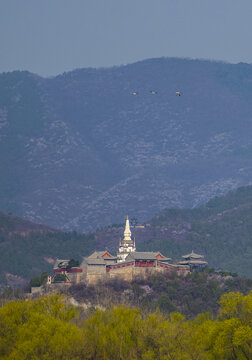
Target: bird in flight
(153,92)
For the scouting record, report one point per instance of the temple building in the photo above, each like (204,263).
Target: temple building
(127,264)
(195,261)
(62,270)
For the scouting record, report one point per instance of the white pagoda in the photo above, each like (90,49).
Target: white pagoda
(126,245)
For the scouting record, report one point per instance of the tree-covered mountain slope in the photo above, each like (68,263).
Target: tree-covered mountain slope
(27,249)
(78,150)
(221,230)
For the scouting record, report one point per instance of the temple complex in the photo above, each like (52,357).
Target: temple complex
(127,264)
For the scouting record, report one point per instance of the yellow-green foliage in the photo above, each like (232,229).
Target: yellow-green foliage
(48,329)
(39,329)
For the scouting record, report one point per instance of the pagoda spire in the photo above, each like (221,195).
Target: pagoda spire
(127,232)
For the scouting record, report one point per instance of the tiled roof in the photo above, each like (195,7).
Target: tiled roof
(59,263)
(94,261)
(147,255)
(99,254)
(192,256)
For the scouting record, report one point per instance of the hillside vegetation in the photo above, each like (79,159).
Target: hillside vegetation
(78,151)
(190,295)
(221,229)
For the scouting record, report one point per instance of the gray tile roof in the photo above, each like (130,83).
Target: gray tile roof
(146,255)
(96,258)
(192,256)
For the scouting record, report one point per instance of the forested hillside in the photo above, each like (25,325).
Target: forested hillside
(79,151)
(221,230)
(27,249)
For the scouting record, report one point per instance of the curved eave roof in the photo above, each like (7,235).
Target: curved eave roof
(60,263)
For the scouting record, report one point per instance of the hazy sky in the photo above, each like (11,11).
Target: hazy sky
(49,37)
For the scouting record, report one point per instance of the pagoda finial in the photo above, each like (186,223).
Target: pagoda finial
(127,217)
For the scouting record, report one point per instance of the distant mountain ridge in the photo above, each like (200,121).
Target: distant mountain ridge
(79,151)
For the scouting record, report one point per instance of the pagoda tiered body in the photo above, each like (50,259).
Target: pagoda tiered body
(126,245)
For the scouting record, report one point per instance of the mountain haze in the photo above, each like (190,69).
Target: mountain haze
(78,151)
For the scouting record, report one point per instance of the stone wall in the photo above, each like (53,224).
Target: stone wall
(95,273)
(143,272)
(180,270)
(125,273)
